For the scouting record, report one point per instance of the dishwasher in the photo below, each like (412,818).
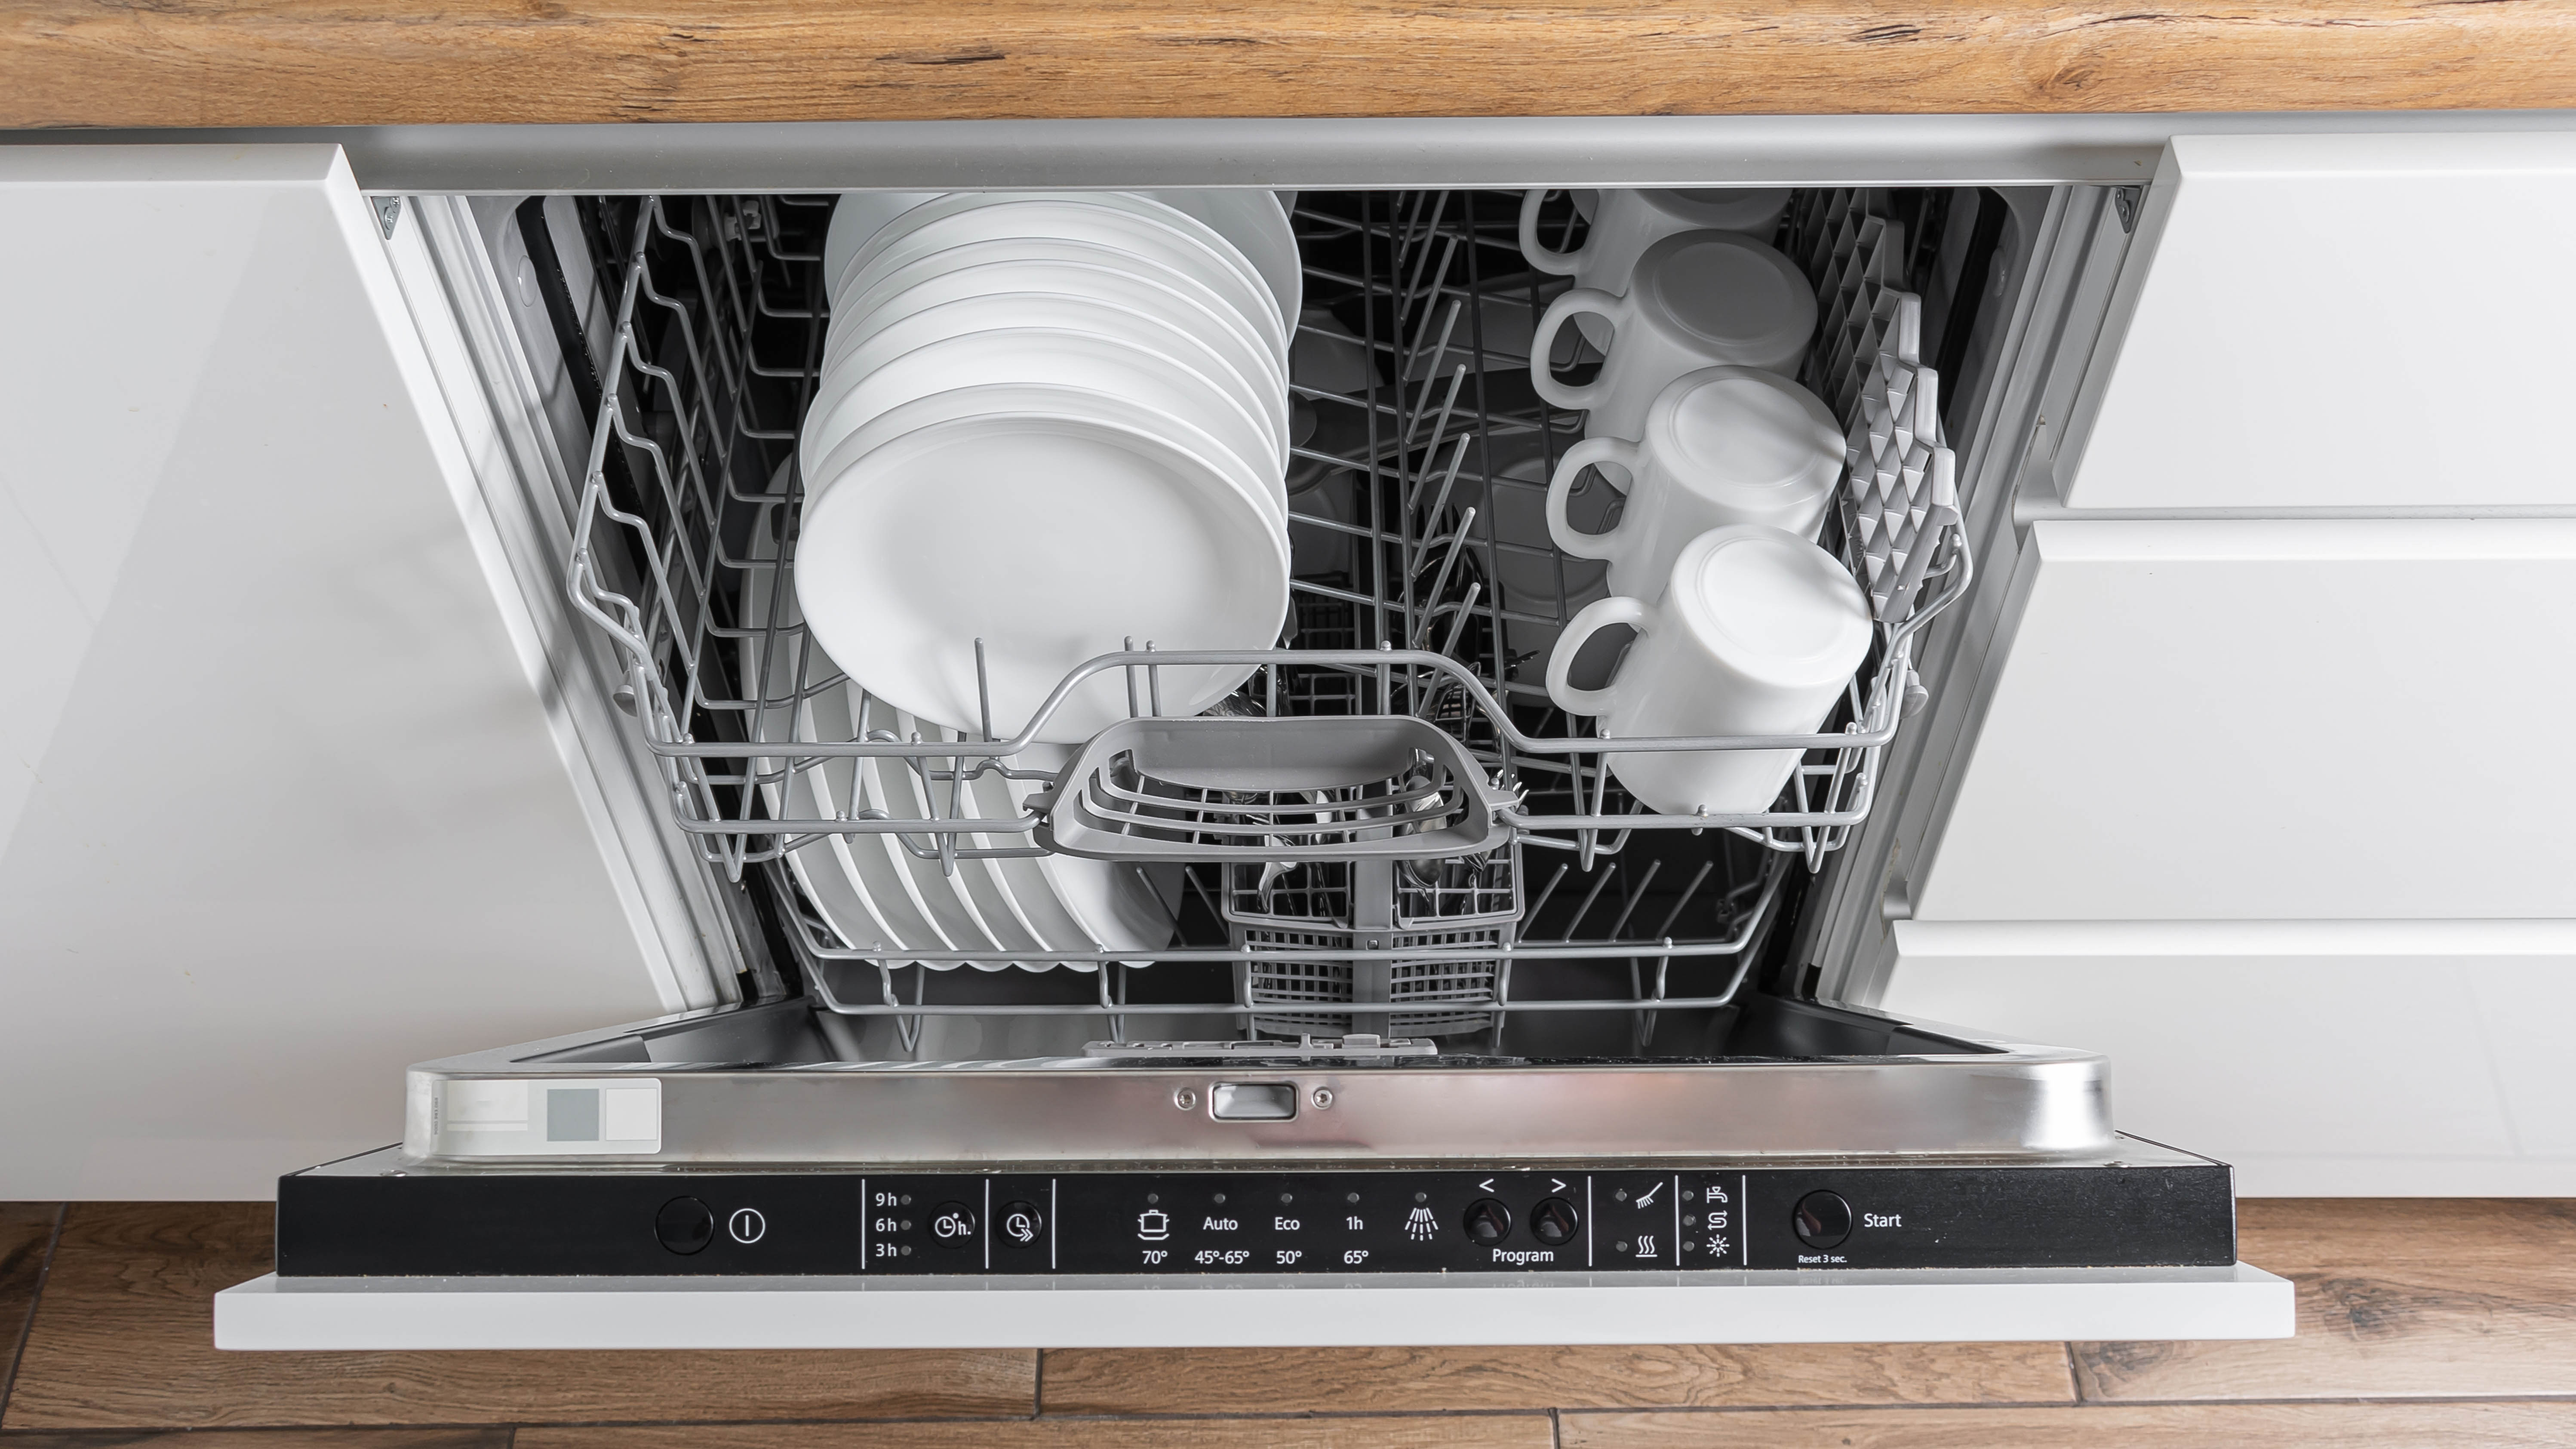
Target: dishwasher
(1437,1034)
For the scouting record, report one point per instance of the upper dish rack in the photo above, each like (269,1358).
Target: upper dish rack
(1425,761)
(717,329)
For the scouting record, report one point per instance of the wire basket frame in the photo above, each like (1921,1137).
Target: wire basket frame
(684,553)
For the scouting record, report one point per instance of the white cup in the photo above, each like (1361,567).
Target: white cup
(1625,223)
(1759,632)
(1722,445)
(1699,299)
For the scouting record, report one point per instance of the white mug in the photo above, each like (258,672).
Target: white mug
(1721,445)
(1759,632)
(1699,299)
(1625,223)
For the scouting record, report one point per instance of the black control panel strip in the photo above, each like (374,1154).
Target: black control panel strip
(1649,1218)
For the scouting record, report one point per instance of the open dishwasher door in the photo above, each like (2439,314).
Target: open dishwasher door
(293,792)
(1380,980)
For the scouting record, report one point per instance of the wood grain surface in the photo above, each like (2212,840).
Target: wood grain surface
(1468,1431)
(122,1339)
(1385,1380)
(2164,1426)
(26,1240)
(2396,1297)
(267,1439)
(354,62)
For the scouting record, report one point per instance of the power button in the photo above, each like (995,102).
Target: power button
(685,1225)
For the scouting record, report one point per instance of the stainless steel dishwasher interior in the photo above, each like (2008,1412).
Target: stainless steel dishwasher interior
(1598,932)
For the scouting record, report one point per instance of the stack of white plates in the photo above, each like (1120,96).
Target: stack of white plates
(1048,423)
(877,895)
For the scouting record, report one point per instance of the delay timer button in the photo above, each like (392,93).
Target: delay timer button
(1488,1221)
(953,1226)
(685,1225)
(1823,1219)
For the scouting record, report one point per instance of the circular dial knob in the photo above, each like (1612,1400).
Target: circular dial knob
(1554,1222)
(1488,1221)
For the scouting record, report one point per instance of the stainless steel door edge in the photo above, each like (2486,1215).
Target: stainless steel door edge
(2001,1099)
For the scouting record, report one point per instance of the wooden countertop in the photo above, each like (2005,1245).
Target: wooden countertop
(365,62)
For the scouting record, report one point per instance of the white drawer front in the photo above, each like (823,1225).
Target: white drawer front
(2338,322)
(2272,720)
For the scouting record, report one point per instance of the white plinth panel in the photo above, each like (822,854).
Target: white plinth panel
(2021,1304)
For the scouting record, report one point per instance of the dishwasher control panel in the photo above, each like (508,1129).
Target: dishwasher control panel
(1520,1219)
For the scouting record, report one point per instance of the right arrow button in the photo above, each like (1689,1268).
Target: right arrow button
(1555,1222)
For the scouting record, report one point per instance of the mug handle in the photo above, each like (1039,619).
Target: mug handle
(1534,251)
(1607,305)
(1577,458)
(1598,615)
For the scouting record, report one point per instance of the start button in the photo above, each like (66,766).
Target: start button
(1822,1220)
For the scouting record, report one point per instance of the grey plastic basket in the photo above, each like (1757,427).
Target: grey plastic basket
(1374,786)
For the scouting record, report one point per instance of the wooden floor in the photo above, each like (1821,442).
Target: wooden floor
(2420,1322)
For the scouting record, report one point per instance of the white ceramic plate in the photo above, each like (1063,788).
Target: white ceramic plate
(1026,338)
(1020,890)
(1051,539)
(1257,223)
(1031,293)
(1202,300)
(1132,223)
(1182,403)
(925,922)
(1025,877)
(900,789)
(1052,400)
(1107,905)
(857,216)
(985,882)
(821,867)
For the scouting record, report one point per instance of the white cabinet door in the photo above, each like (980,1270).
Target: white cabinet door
(2241,720)
(2338,322)
(283,802)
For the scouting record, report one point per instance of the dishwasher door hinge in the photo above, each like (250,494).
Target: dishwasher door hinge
(2125,200)
(388,214)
